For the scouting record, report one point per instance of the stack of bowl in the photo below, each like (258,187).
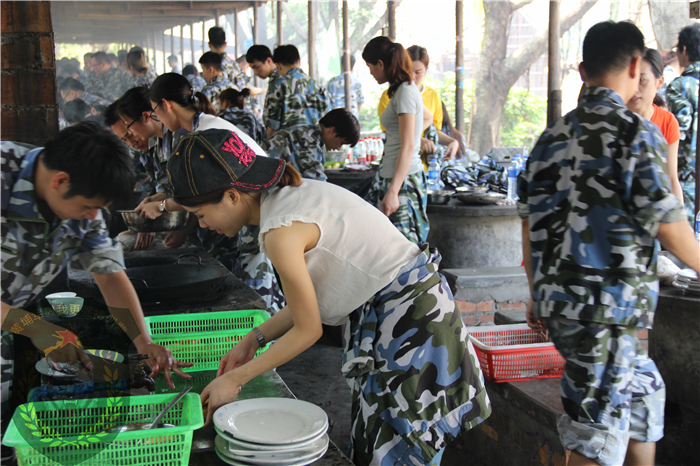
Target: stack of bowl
(687,279)
(271,431)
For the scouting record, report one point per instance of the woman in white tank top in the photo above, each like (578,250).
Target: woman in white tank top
(408,359)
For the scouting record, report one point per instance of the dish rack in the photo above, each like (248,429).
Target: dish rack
(204,338)
(49,433)
(510,353)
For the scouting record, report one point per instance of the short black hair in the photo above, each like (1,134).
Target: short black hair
(98,163)
(122,56)
(172,57)
(217,36)
(101,57)
(189,70)
(241,59)
(136,48)
(112,56)
(212,59)
(286,55)
(76,111)
(134,102)
(87,55)
(70,69)
(258,53)
(345,124)
(71,84)
(610,47)
(689,38)
(111,115)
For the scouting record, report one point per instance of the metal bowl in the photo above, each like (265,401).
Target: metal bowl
(169,221)
(440,196)
(481,198)
(471,189)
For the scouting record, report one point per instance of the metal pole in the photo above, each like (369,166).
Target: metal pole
(172,42)
(216,19)
(192,42)
(312,42)
(235,32)
(165,56)
(182,47)
(554,74)
(346,58)
(459,67)
(255,24)
(280,37)
(204,34)
(391,14)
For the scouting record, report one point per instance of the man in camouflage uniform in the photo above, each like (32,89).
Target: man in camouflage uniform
(214,74)
(294,98)
(107,82)
(232,72)
(192,75)
(259,58)
(682,97)
(592,198)
(71,89)
(304,146)
(336,92)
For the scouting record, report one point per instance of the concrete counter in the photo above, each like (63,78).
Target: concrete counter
(475,236)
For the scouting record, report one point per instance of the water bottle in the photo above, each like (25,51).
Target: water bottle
(513,178)
(697,226)
(433,175)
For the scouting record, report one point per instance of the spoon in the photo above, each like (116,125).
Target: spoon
(184,392)
(150,425)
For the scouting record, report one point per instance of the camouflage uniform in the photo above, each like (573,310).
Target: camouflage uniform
(111,85)
(302,146)
(415,378)
(214,88)
(595,191)
(233,73)
(163,148)
(411,218)
(246,121)
(682,98)
(336,92)
(294,99)
(197,82)
(146,79)
(93,100)
(34,252)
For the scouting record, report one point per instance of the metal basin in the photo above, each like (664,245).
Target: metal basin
(481,198)
(169,221)
(440,196)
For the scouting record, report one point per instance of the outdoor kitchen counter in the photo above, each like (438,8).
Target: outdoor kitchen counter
(475,236)
(269,384)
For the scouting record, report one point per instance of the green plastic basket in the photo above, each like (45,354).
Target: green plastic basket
(71,432)
(204,338)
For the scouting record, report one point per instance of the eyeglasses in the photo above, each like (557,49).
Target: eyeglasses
(153,112)
(128,127)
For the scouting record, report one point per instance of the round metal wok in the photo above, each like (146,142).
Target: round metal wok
(176,281)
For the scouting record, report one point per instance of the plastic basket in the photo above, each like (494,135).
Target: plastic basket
(509,353)
(72,431)
(204,338)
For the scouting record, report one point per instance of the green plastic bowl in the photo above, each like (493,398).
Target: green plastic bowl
(66,307)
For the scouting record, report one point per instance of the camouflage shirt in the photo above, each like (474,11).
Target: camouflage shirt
(35,251)
(302,146)
(197,82)
(246,121)
(111,85)
(214,88)
(595,191)
(93,100)
(144,79)
(233,72)
(294,99)
(682,97)
(336,92)
(163,148)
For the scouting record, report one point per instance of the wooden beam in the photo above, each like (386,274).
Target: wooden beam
(312,40)
(459,67)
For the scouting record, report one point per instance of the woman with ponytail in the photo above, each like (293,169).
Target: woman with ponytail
(414,375)
(399,189)
(232,109)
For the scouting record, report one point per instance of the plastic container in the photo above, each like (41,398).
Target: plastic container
(697,227)
(433,175)
(513,170)
(72,431)
(204,338)
(509,353)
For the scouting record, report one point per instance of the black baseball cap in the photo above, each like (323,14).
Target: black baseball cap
(209,160)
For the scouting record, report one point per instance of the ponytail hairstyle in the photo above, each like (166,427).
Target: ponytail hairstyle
(134,102)
(136,60)
(653,57)
(233,97)
(176,88)
(397,63)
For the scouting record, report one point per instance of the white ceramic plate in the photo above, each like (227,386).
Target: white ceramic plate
(234,462)
(264,447)
(685,287)
(688,274)
(63,294)
(271,421)
(271,457)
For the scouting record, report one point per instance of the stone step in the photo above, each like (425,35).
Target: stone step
(501,284)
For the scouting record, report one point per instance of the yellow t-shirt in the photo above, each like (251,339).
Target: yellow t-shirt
(431,99)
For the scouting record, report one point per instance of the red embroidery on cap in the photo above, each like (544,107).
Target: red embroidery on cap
(242,152)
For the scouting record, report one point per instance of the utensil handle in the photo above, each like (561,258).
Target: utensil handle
(170,405)
(139,280)
(190,255)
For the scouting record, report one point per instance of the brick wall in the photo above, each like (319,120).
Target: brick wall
(29,112)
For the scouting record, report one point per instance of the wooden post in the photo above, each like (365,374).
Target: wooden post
(204,35)
(216,18)
(182,47)
(346,58)
(312,41)
(165,55)
(391,18)
(459,67)
(280,35)
(255,24)
(192,42)
(554,64)
(235,32)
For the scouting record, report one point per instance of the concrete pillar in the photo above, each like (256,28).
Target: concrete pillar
(29,107)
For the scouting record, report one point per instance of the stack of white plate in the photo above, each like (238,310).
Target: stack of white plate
(688,280)
(271,431)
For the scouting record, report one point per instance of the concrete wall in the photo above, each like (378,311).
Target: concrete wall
(29,110)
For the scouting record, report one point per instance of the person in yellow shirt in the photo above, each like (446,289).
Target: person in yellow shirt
(432,101)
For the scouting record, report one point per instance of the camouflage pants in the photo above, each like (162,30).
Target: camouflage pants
(411,218)
(611,389)
(415,379)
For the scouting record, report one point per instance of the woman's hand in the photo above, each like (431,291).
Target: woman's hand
(390,203)
(220,391)
(452,150)
(161,359)
(427,146)
(144,240)
(240,354)
(537,324)
(149,210)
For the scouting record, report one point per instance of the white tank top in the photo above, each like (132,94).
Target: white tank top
(358,253)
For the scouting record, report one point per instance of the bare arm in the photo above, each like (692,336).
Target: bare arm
(678,238)
(672,169)
(270,132)
(427,118)
(451,143)
(403,162)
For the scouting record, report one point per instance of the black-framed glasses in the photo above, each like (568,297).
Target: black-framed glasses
(128,131)
(153,112)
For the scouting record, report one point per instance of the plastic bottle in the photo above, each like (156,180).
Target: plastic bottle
(697,227)
(433,175)
(361,155)
(513,170)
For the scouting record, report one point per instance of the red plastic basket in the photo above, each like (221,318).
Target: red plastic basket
(510,353)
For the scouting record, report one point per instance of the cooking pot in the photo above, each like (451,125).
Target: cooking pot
(168,221)
(175,281)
